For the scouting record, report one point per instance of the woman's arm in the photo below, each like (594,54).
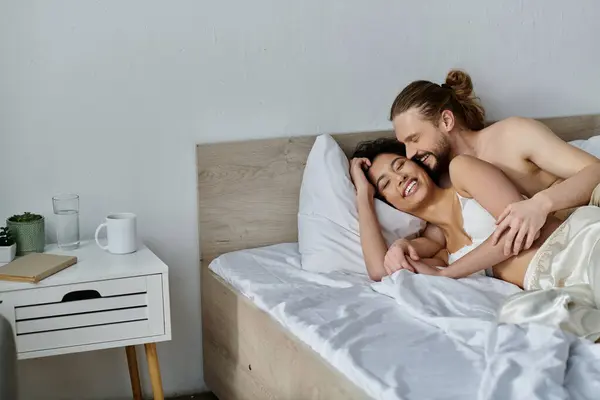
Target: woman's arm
(428,246)
(372,242)
(486,184)
(379,260)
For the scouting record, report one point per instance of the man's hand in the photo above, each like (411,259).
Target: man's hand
(523,220)
(397,256)
(358,166)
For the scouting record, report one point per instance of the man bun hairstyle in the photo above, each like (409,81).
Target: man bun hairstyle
(456,95)
(461,84)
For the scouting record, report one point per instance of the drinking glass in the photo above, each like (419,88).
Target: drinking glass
(66,211)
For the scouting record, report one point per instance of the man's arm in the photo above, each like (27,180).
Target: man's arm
(488,185)
(580,171)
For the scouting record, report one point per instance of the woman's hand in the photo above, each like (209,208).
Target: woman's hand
(424,269)
(522,221)
(397,256)
(358,166)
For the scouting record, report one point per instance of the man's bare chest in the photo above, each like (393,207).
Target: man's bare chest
(527,176)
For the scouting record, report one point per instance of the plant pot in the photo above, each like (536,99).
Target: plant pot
(7,253)
(29,236)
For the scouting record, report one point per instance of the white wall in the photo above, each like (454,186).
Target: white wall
(108,98)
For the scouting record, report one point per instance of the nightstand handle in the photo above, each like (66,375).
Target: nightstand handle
(81,295)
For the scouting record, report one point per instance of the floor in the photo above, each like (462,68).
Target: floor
(203,396)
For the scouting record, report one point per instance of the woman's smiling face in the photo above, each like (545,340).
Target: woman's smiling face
(400,181)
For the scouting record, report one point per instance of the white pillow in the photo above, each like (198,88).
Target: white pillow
(328,236)
(591,145)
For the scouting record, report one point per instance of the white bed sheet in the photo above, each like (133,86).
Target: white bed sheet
(373,338)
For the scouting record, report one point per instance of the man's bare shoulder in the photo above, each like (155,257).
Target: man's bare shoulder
(511,133)
(511,126)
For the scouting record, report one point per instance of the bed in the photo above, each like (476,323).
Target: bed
(248,198)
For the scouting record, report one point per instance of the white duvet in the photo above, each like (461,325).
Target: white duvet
(415,337)
(517,361)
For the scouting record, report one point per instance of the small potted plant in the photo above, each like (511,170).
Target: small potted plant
(28,231)
(8,247)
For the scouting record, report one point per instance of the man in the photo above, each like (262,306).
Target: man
(437,123)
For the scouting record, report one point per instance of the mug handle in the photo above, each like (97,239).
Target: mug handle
(96,236)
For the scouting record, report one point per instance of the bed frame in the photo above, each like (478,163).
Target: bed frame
(248,197)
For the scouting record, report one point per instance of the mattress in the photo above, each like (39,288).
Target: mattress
(401,339)
(362,333)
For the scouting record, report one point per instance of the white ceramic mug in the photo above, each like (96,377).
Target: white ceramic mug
(121,233)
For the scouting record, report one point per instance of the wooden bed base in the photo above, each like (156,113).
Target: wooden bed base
(250,356)
(248,197)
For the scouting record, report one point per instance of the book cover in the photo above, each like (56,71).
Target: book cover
(34,267)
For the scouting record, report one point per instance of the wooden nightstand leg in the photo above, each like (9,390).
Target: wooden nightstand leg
(154,370)
(134,374)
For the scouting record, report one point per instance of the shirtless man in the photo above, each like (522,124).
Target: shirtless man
(439,122)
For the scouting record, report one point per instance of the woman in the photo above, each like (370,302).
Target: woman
(459,218)
(457,241)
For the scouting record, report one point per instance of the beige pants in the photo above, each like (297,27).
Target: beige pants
(595,200)
(562,282)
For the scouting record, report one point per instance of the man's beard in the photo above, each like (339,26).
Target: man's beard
(442,158)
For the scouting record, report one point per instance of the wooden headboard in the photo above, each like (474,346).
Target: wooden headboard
(248,191)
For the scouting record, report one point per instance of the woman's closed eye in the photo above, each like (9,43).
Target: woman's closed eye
(383,184)
(399,164)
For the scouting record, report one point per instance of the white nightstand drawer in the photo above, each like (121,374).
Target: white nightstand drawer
(82,320)
(87,313)
(84,336)
(75,307)
(67,295)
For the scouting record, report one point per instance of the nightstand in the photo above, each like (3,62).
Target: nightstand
(103,301)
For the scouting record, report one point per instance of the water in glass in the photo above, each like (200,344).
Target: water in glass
(66,212)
